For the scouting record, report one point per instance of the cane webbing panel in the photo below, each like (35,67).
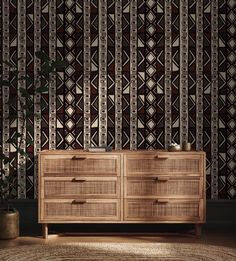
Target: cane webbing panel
(89,209)
(163,166)
(150,209)
(76,167)
(170,188)
(88,187)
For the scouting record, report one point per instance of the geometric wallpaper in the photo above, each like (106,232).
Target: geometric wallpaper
(141,74)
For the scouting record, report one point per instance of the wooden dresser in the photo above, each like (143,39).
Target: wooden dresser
(121,187)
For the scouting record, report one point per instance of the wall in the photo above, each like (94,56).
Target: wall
(141,74)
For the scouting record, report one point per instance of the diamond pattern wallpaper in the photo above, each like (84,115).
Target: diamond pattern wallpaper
(140,75)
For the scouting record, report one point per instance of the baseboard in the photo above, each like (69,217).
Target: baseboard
(221,211)
(218,213)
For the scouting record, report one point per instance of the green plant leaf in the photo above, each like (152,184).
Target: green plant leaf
(42,89)
(37,115)
(14,82)
(46,69)
(30,101)
(43,80)
(59,64)
(54,73)
(29,128)
(29,112)
(4,83)
(6,160)
(16,72)
(20,58)
(2,156)
(29,141)
(43,104)
(42,56)
(9,64)
(12,140)
(4,183)
(22,153)
(28,80)
(12,117)
(17,135)
(24,92)
(25,107)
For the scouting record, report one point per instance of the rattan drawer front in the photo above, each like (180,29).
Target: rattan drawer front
(162,210)
(164,186)
(163,164)
(105,187)
(82,209)
(71,165)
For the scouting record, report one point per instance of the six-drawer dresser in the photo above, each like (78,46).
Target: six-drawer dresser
(146,186)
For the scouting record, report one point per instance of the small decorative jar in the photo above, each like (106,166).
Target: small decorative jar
(186,146)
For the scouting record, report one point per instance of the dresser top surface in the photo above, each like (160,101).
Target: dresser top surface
(132,152)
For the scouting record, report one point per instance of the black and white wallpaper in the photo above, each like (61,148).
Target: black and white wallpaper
(141,75)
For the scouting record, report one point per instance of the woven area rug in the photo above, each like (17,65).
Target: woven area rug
(119,251)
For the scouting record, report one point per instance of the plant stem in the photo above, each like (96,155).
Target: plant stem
(23,122)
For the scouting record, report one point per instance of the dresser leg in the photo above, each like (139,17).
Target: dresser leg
(198,230)
(45,231)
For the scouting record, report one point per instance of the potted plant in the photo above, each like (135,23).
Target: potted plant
(9,216)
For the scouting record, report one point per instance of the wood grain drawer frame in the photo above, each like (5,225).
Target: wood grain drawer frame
(80,210)
(90,187)
(163,209)
(163,186)
(164,164)
(80,164)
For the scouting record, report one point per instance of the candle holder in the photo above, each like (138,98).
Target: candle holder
(186,146)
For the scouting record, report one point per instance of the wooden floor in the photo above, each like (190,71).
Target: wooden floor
(221,236)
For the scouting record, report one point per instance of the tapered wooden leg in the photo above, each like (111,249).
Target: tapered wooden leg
(198,230)
(45,231)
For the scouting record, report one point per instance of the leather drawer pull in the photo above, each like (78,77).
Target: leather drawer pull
(164,179)
(78,180)
(78,158)
(162,201)
(162,157)
(78,201)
